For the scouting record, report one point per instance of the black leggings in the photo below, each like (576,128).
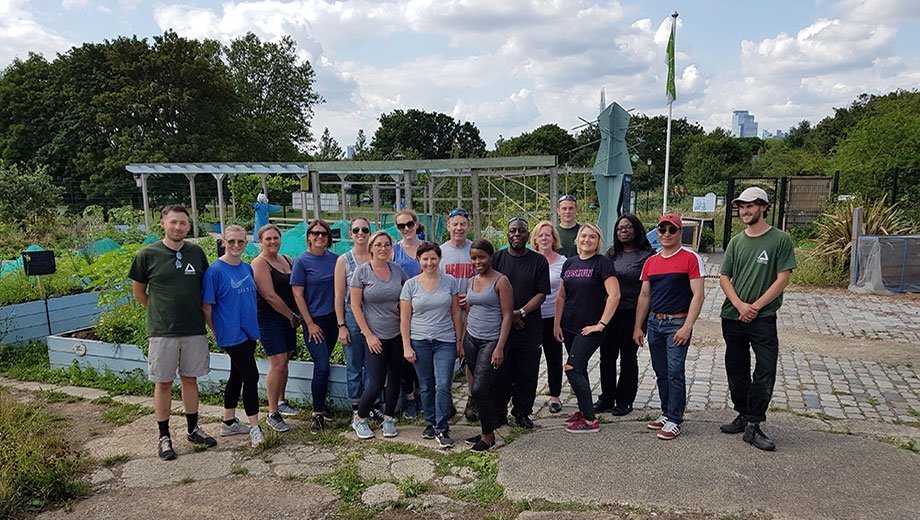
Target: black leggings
(244,378)
(552,349)
(580,352)
(618,342)
(383,368)
(478,353)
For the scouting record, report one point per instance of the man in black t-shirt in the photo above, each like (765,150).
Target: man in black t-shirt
(528,273)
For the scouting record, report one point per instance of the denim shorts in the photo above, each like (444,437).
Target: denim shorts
(278,337)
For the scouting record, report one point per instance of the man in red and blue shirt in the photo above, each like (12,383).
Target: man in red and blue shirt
(673,288)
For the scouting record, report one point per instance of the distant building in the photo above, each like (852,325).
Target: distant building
(743,124)
(350,152)
(778,134)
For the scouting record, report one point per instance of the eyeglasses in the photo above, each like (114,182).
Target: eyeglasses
(517,219)
(178,260)
(406,225)
(234,242)
(319,233)
(459,211)
(567,196)
(668,230)
(356,230)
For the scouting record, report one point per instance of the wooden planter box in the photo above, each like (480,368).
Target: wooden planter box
(64,350)
(27,321)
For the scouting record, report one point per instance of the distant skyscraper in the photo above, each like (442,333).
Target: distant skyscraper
(743,124)
(603,104)
(350,151)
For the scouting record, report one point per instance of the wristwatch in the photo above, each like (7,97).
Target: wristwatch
(523,313)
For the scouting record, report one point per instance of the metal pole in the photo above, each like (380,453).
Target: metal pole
(191,186)
(729,195)
(553,194)
(264,183)
(220,197)
(146,202)
(667,161)
(477,216)
(459,191)
(376,196)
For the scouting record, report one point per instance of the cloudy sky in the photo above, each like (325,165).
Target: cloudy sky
(512,65)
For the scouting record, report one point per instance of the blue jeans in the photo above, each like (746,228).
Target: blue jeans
(668,361)
(319,351)
(434,365)
(355,367)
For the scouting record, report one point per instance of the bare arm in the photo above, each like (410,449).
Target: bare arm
(405,317)
(612,286)
(682,336)
(557,319)
(139,290)
(313,332)
(340,288)
(263,278)
(456,314)
(373,342)
(208,315)
(645,294)
(506,301)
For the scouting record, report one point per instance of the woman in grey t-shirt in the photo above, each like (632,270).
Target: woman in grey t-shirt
(375,290)
(432,336)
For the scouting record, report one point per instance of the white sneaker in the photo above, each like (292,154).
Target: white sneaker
(255,436)
(236,428)
(669,431)
(286,409)
(363,430)
(389,426)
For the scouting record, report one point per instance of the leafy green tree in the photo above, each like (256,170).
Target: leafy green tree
(361,149)
(711,159)
(545,140)
(329,149)
(425,135)
(647,137)
(26,195)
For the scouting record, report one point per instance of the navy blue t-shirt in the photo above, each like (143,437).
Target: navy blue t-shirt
(316,274)
(231,291)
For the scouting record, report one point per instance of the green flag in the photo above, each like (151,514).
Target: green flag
(671,91)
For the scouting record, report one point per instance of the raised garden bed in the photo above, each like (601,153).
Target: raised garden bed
(27,321)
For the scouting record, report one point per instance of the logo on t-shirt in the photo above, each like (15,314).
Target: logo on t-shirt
(762,258)
(237,284)
(190,270)
(578,273)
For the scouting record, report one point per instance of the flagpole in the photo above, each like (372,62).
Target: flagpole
(667,161)
(672,95)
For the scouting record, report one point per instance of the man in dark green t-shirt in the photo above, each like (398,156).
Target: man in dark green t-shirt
(755,271)
(568,226)
(166,279)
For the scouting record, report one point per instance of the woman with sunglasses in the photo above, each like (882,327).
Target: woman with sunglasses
(490,302)
(313,284)
(375,290)
(278,320)
(353,342)
(229,305)
(405,254)
(629,252)
(545,240)
(587,280)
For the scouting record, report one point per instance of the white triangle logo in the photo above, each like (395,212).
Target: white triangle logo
(189,269)
(762,258)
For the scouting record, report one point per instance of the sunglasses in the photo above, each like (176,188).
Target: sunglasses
(567,196)
(668,230)
(406,225)
(356,230)
(517,219)
(459,211)
(234,242)
(178,260)
(319,233)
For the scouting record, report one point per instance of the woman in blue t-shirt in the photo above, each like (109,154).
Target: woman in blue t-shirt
(229,304)
(313,283)
(587,280)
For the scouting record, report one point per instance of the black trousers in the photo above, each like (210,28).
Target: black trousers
(552,349)
(518,376)
(580,352)
(751,393)
(383,369)
(618,343)
(478,354)
(244,378)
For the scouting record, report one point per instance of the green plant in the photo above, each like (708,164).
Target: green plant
(834,229)
(122,414)
(346,481)
(112,460)
(412,487)
(239,470)
(53,396)
(819,271)
(124,324)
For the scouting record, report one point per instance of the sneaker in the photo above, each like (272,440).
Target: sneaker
(286,409)
(574,418)
(255,436)
(657,424)
(620,411)
(524,422)
(198,436)
(428,432)
(411,410)
(444,440)
(601,406)
(584,426)
(376,416)
(736,426)
(755,436)
(277,423)
(236,428)
(327,413)
(555,407)
(482,446)
(318,425)
(362,429)
(470,441)
(670,430)
(389,426)
(165,449)
(471,412)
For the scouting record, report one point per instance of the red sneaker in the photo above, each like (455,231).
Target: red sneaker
(574,418)
(669,431)
(583,426)
(657,424)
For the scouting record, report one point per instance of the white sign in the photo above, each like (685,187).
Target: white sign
(327,201)
(706,204)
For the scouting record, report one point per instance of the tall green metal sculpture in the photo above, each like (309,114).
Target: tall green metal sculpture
(612,168)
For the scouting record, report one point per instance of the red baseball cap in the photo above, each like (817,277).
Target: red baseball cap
(671,218)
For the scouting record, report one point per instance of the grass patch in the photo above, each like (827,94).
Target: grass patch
(239,471)
(558,506)
(53,396)
(121,414)
(646,418)
(118,458)
(872,400)
(186,480)
(905,444)
(412,487)
(106,399)
(272,441)
(913,413)
(485,488)
(345,480)
(39,468)
(802,413)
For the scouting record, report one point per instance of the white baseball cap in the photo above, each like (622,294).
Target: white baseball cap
(752,194)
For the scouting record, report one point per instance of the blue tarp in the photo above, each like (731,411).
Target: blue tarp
(16,265)
(105,245)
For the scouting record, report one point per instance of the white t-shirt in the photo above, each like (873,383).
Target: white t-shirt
(548,309)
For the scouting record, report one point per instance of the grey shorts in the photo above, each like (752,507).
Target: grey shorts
(187,354)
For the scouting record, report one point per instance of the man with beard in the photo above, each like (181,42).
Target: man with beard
(755,271)
(528,272)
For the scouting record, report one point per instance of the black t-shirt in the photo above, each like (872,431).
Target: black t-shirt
(584,291)
(529,276)
(628,267)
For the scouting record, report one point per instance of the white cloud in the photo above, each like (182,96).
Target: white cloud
(516,110)
(21,34)
(881,10)
(74,4)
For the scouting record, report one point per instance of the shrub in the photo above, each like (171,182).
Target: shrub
(834,229)
(819,271)
(125,323)
(16,287)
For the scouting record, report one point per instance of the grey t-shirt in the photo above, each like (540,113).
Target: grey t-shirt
(431,317)
(380,301)
(455,261)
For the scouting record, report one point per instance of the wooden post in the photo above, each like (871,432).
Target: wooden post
(407,188)
(376,196)
(430,199)
(303,200)
(191,187)
(553,194)
(146,202)
(317,199)
(220,197)
(857,231)
(475,214)
(344,196)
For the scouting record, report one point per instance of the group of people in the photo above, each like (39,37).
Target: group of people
(407,311)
